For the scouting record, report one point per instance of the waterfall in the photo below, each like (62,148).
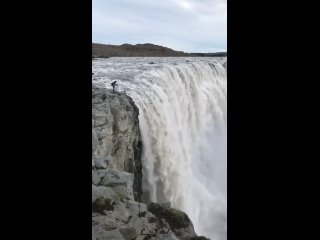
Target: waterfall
(183,122)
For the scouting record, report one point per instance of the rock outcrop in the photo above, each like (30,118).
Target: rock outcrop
(116,143)
(117,213)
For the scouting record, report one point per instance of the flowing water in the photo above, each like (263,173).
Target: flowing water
(183,122)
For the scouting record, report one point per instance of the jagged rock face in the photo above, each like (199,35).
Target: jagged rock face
(116,142)
(124,222)
(115,131)
(117,213)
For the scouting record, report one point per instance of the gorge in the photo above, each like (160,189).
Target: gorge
(159,148)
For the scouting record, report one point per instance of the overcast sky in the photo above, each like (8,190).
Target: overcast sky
(185,25)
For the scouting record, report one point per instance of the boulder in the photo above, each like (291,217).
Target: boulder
(128,233)
(133,229)
(176,218)
(95,178)
(103,192)
(154,225)
(102,204)
(100,163)
(115,178)
(101,173)
(178,221)
(136,207)
(122,192)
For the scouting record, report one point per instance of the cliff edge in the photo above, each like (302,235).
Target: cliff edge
(117,213)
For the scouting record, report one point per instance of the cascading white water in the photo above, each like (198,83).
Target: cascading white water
(183,122)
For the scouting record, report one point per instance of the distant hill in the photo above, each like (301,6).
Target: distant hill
(142,50)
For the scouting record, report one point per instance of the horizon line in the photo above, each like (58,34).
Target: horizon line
(224,51)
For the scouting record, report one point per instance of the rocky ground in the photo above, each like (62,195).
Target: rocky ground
(117,213)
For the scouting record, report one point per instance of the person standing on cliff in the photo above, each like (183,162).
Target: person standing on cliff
(114,84)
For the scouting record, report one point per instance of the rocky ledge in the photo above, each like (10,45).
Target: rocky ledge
(117,213)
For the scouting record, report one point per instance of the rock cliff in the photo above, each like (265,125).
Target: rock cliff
(116,144)
(117,213)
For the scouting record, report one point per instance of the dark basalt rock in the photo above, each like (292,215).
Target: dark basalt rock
(102,204)
(176,218)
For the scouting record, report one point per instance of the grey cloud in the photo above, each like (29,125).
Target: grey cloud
(187,25)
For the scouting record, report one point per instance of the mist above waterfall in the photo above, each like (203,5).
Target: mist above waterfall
(183,122)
